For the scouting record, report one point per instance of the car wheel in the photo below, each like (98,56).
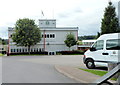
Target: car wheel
(90,64)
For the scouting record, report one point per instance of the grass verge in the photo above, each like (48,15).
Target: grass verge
(97,72)
(1,54)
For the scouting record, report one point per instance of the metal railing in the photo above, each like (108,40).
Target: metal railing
(104,79)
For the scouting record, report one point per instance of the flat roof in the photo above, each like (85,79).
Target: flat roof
(84,45)
(47,19)
(66,28)
(88,40)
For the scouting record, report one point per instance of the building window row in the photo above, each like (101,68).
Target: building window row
(26,50)
(88,43)
(48,35)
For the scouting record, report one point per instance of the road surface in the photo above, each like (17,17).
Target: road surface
(37,69)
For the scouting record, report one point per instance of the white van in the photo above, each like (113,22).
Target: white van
(106,48)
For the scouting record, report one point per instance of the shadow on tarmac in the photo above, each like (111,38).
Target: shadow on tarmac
(101,68)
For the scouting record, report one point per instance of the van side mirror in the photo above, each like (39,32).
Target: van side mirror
(92,49)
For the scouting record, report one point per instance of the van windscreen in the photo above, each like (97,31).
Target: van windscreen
(113,44)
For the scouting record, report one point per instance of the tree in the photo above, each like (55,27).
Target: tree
(98,35)
(26,33)
(109,22)
(70,40)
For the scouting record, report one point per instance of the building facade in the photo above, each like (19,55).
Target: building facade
(52,38)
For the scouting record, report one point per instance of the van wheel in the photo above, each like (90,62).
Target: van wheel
(90,64)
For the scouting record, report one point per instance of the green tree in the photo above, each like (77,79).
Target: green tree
(26,33)
(109,22)
(98,35)
(70,40)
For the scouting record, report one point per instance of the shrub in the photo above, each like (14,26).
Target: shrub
(26,53)
(70,52)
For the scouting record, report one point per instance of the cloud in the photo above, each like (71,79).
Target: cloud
(3,33)
(84,14)
(69,13)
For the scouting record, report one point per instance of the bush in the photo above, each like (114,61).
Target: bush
(3,52)
(70,52)
(26,53)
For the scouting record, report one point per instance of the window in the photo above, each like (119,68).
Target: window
(47,35)
(10,35)
(39,49)
(17,50)
(14,50)
(26,49)
(34,50)
(113,44)
(11,50)
(23,50)
(20,50)
(53,35)
(99,45)
(42,36)
(50,35)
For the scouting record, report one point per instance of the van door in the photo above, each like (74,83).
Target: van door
(113,48)
(98,54)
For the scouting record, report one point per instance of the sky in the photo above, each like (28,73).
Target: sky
(84,14)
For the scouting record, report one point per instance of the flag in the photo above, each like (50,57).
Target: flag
(42,13)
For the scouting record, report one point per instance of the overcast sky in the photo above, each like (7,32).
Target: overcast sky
(85,14)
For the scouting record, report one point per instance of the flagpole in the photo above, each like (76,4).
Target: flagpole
(42,14)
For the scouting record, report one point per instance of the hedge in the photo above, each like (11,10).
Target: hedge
(70,52)
(26,53)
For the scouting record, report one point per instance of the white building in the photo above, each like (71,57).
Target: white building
(86,44)
(52,38)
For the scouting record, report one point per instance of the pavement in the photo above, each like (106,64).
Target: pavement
(77,74)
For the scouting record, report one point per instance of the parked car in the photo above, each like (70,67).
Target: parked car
(106,48)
